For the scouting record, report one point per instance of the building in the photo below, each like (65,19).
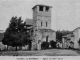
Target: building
(2,46)
(76,33)
(68,41)
(41,23)
(71,40)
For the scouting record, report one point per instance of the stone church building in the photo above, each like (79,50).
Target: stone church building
(41,24)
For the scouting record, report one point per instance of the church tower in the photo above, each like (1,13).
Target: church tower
(42,17)
(42,25)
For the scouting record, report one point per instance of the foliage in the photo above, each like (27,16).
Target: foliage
(16,34)
(60,34)
(44,45)
(53,44)
(1,36)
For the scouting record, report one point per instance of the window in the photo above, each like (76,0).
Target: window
(46,24)
(40,8)
(41,23)
(47,9)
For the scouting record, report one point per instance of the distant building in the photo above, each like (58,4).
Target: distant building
(41,24)
(71,40)
(68,41)
(76,33)
(2,46)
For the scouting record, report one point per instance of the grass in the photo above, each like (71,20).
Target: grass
(48,52)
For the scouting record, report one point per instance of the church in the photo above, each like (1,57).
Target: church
(41,24)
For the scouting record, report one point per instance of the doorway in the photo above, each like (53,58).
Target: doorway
(47,38)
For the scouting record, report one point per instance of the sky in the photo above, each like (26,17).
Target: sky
(65,13)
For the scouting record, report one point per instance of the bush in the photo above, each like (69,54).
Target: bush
(53,44)
(44,45)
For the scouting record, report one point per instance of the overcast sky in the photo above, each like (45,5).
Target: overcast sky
(65,13)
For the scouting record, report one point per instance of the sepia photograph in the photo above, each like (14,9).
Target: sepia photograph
(39,28)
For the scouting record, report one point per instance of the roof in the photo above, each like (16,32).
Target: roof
(41,5)
(29,21)
(69,36)
(76,28)
(47,30)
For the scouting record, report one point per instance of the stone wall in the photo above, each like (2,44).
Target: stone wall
(76,38)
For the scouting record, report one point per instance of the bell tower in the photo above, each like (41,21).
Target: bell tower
(41,24)
(42,17)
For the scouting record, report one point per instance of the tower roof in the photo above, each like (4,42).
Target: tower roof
(41,5)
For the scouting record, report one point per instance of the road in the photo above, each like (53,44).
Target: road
(49,52)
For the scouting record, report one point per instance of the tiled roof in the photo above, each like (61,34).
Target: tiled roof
(29,21)
(76,28)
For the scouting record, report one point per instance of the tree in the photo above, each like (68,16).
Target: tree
(16,34)
(53,44)
(60,34)
(27,37)
(44,45)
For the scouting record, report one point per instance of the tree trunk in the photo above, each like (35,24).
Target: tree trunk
(30,45)
(16,48)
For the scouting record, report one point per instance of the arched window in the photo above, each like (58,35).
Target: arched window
(47,38)
(41,23)
(46,24)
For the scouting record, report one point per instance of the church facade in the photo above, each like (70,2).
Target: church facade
(41,24)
